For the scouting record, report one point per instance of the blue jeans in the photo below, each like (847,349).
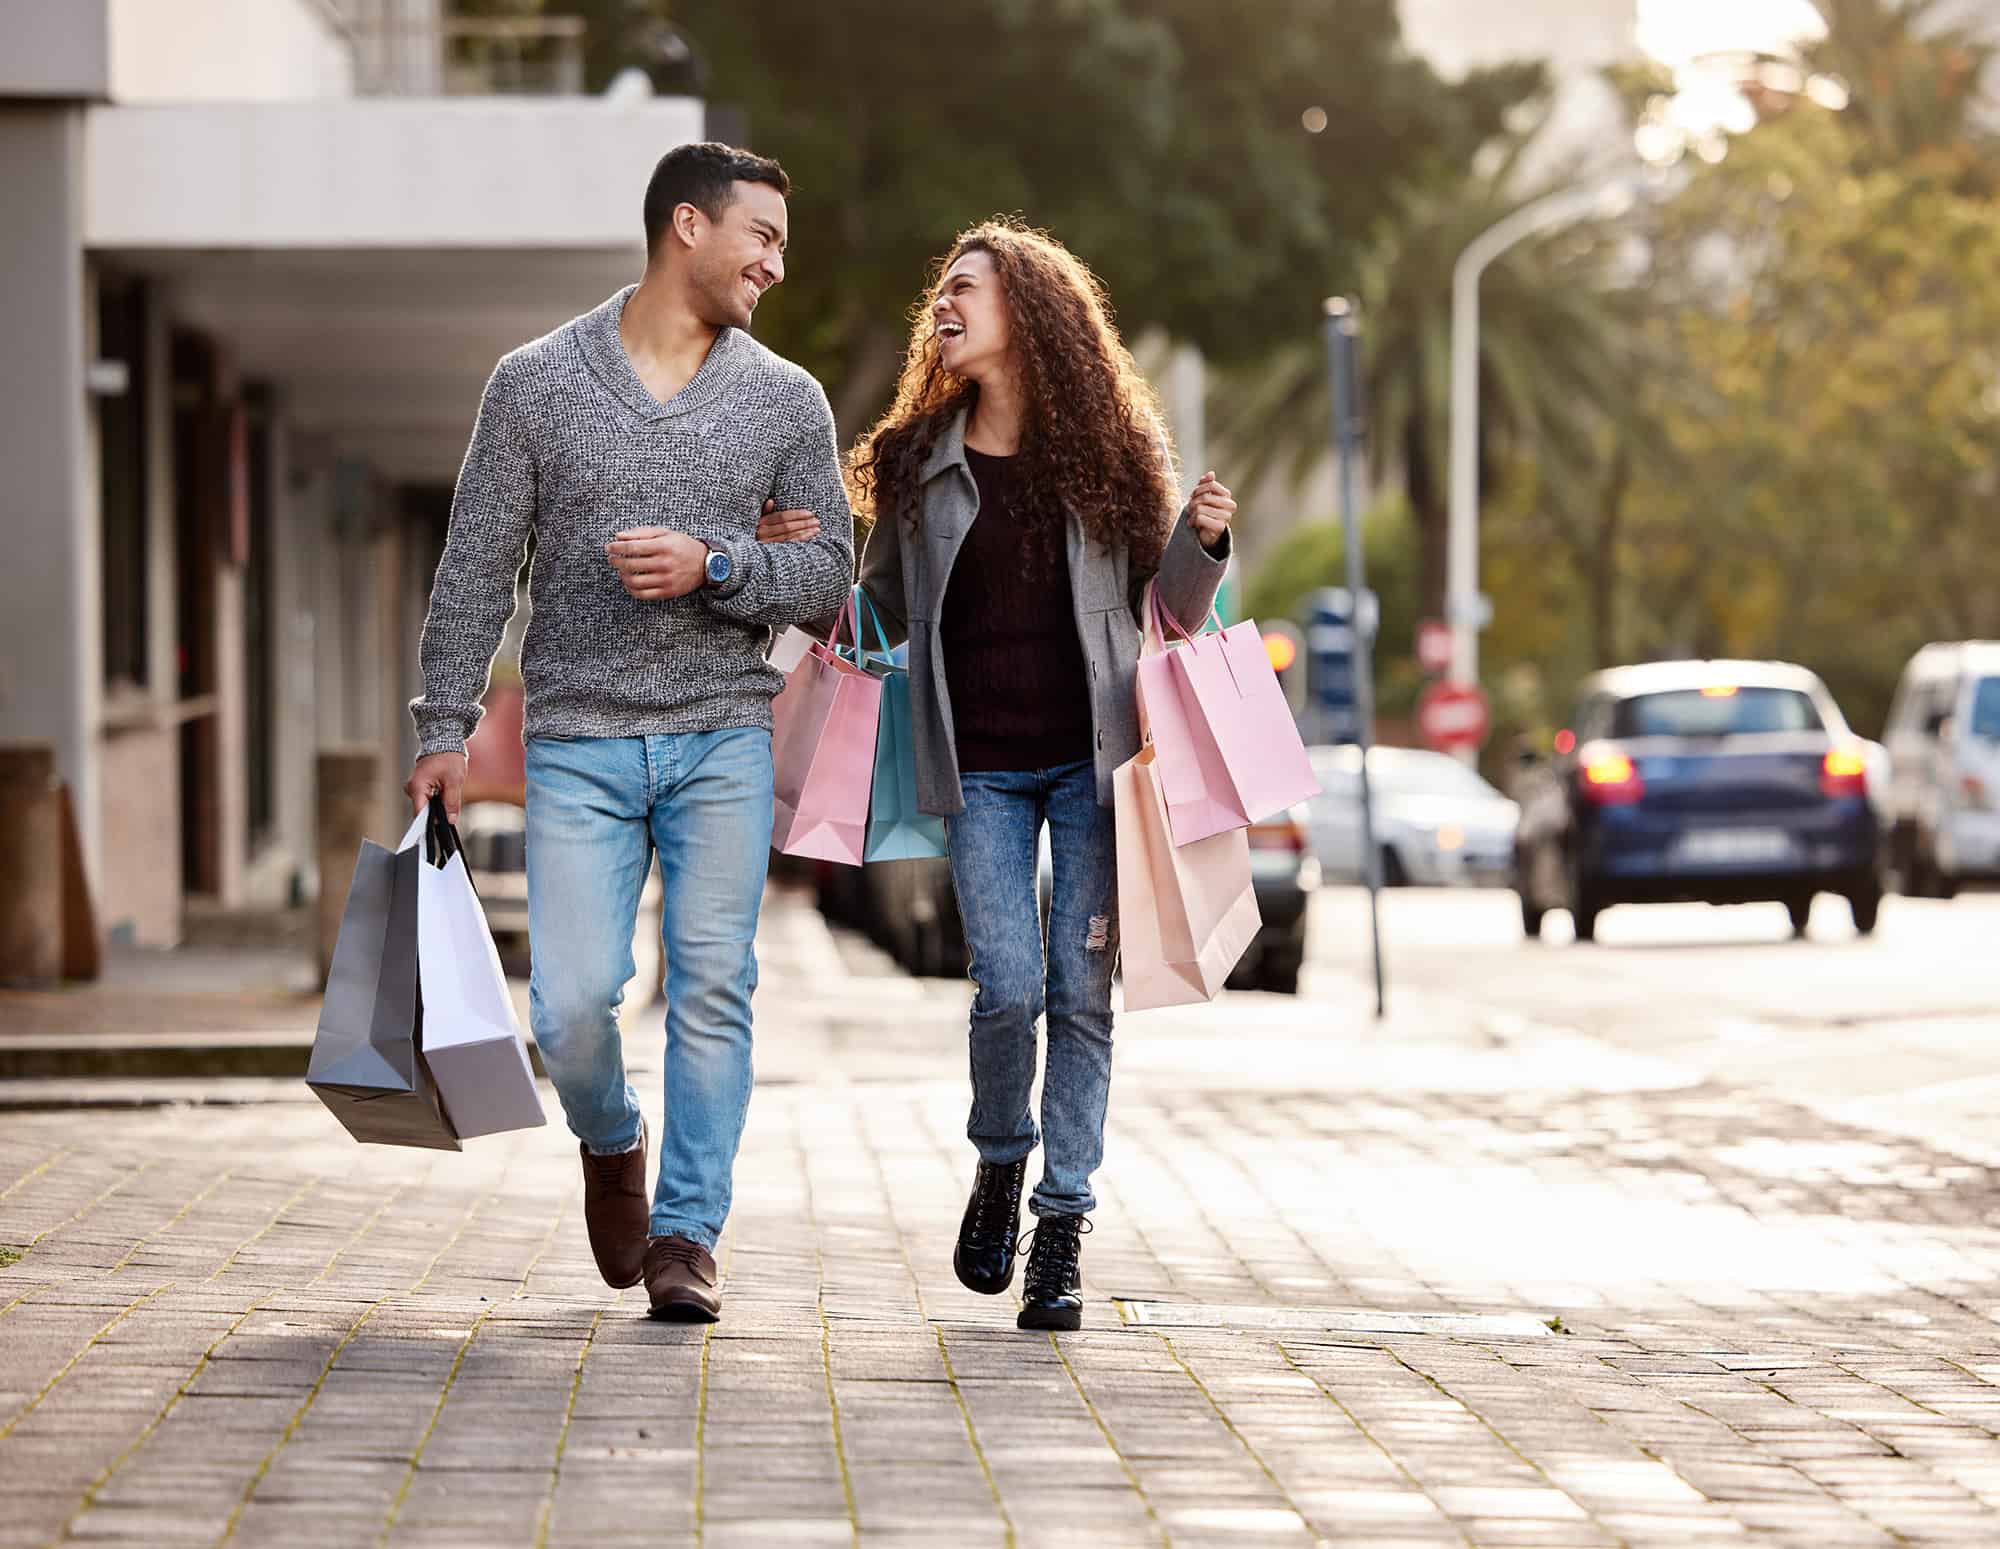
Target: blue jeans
(992,845)
(598,809)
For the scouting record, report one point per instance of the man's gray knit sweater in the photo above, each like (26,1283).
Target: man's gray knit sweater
(571,446)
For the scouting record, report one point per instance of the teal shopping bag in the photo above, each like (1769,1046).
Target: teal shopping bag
(897,831)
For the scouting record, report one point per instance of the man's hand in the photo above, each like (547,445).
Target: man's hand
(1210,508)
(657,563)
(786,526)
(441,774)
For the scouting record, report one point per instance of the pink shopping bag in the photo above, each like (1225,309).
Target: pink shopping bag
(1186,913)
(1229,751)
(823,753)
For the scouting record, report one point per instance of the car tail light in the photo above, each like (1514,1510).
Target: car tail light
(1976,795)
(1610,778)
(1843,773)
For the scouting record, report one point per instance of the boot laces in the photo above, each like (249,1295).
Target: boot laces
(1055,1246)
(674,1249)
(995,1208)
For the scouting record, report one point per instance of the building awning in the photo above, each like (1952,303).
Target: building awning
(372,259)
(400,173)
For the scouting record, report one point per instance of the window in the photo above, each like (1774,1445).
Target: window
(1743,712)
(1985,714)
(121,442)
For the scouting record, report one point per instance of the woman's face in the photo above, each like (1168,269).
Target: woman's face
(970,319)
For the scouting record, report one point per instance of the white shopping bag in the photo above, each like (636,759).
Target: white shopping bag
(471,1039)
(789,649)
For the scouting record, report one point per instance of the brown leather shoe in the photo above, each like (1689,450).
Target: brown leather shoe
(615,1209)
(681,1281)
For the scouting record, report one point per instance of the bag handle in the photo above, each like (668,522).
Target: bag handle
(1160,613)
(440,834)
(845,616)
(863,600)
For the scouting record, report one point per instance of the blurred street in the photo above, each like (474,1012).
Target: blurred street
(1684,1238)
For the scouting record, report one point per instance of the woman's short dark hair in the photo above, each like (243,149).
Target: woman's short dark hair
(704,175)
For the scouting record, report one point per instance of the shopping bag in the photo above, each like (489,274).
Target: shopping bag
(1186,913)
(1230,753)
(789,649)
(367,1061)
(897,829)
(471,1038)
(823,733)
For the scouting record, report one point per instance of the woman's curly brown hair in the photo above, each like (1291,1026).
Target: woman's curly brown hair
(1093,441)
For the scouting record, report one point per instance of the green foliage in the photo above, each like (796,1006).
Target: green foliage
(1161,139)
(1777,435)
(1916,90)
(1551,353)
(1859,425)
(1313,554)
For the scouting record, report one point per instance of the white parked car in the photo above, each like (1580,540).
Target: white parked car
(1943,805)
(1435,820)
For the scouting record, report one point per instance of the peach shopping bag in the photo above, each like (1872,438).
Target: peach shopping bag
(1186,913)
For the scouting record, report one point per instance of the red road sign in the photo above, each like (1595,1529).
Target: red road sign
(1433,645)
(1452,715)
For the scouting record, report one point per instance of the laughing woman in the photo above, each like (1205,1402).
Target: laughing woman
(1023,495)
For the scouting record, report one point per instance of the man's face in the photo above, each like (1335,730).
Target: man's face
(739,256)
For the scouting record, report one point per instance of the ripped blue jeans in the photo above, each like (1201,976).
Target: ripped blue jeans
(1018,976)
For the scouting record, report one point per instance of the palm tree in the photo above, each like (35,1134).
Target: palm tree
(1916,86)
(1548,355)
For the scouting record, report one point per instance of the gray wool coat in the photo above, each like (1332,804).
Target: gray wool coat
(905,573)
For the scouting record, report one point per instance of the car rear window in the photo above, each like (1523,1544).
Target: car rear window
(1742,712)
(1986,709)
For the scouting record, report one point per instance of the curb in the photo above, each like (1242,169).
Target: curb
(166,1057)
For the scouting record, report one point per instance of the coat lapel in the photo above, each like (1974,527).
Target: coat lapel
(950,502)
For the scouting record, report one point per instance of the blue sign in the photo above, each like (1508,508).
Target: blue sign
(1334,709)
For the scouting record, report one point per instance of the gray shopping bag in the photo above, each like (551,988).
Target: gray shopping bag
(367,1056)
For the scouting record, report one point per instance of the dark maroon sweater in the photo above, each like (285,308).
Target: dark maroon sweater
(1020,691)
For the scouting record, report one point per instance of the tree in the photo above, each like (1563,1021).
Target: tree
(1915,86)
(1549,353)
(1161,139)
(1835,465)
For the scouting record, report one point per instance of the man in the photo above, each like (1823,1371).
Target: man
(637,446)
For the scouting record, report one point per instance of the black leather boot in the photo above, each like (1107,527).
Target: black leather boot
(1052,1292)
(984,1257)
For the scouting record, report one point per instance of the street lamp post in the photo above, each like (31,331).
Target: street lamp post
(1465,610)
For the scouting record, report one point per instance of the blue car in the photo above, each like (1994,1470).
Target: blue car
(1701,781)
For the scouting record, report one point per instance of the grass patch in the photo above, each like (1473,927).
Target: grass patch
(9,1256)
(1554,1325)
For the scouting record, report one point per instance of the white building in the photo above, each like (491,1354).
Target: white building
(1578,39)
(257,268)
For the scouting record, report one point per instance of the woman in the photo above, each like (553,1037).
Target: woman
(1022,493)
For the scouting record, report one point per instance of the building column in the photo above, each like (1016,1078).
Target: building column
(50,630)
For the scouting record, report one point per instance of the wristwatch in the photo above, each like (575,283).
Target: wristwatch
(716,568)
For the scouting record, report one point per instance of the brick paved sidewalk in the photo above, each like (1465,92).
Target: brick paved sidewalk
(1322,1287)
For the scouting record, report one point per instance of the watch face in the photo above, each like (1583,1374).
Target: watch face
(718,568)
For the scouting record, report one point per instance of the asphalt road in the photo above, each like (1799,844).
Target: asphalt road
(1900,1030)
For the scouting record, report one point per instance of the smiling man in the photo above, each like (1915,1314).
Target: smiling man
(638,446)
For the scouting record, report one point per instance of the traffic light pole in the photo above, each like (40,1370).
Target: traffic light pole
(1343,330)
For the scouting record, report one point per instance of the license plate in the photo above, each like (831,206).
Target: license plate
(1733,847)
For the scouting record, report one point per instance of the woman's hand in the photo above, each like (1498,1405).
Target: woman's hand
(1210,508)
(786,526)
